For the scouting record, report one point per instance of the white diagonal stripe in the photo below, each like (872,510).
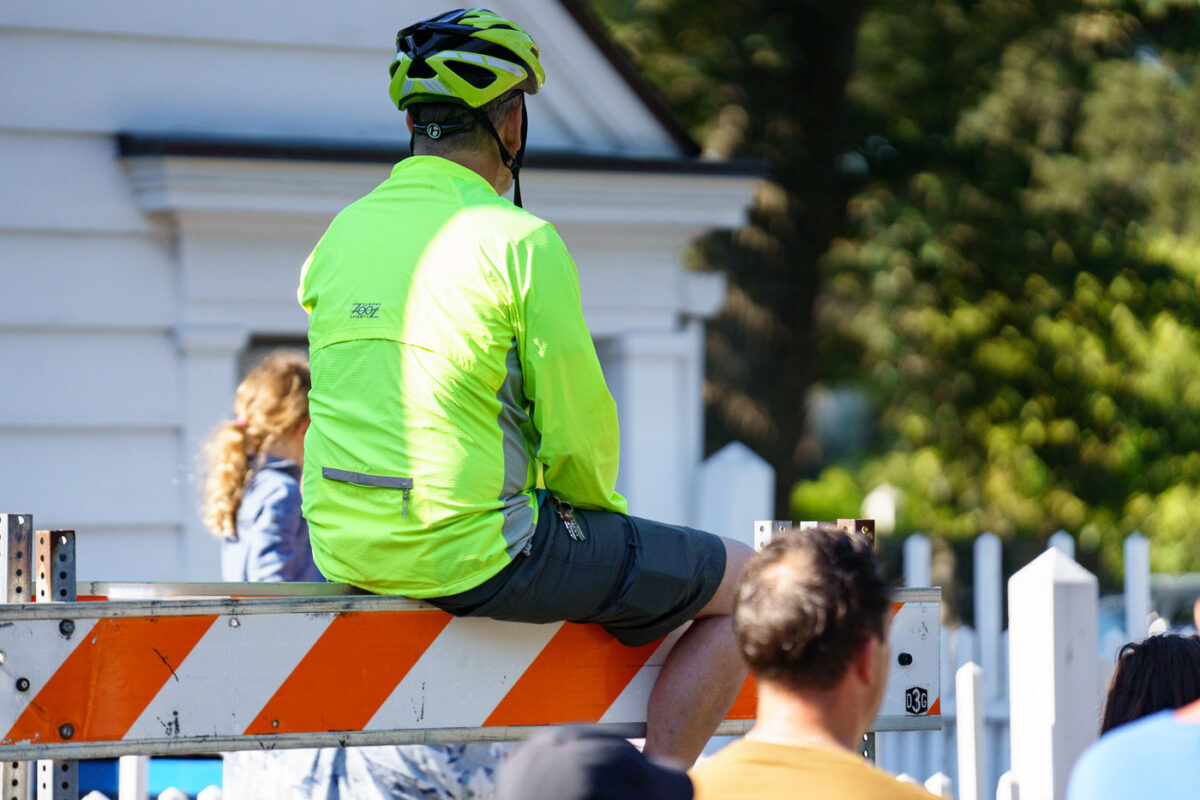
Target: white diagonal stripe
(34,650)
(230,675)
(630,705)
(463,675)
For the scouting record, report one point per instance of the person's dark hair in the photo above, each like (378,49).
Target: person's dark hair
(1158,673)
(805,604)
(472,136)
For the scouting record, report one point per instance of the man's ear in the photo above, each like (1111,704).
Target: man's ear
(1196,613)
(865,656)
(511,130)
(408,119)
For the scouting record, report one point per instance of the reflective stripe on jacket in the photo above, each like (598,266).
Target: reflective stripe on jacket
(451,370)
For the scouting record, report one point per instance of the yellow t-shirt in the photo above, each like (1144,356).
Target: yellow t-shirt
(751,770)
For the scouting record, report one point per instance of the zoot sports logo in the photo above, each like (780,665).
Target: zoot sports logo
(364,310)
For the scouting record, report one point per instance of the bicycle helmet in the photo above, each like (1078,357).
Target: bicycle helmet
(468,56)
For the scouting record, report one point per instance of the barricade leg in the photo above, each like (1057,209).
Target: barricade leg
(16,555)
(55,551)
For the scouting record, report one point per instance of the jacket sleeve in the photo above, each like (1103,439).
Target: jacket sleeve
(572,409)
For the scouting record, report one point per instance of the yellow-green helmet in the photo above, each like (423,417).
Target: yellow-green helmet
(470,56)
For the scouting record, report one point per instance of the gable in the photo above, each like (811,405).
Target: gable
(312,70)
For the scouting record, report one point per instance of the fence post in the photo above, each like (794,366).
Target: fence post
(969,713)
(1006,788)
(1054,700)
(133,782)
(917,555)
(1137,586)
(940,784)
(989,608)
(737,486)
(1063,542)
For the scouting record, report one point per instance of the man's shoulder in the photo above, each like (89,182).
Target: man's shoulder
(496,217)
(749,770)
(1148,752)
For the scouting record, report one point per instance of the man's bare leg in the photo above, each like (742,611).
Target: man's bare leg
(702,674)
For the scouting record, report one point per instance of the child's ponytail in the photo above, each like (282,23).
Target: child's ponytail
(229,471)
(270,402)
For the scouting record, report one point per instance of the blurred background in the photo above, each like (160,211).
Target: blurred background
(933,262)
(965,299)
(970,293)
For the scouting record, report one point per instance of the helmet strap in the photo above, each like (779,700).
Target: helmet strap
(434,131)
(508,159)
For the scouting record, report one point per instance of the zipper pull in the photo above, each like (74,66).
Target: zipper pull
(404,512)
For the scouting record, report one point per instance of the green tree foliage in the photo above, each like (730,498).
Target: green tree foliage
(1017,284)
(994,206)
(765,79)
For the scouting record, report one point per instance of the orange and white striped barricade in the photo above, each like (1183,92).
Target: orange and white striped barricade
(268,666)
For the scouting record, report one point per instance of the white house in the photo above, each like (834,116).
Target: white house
(165,169)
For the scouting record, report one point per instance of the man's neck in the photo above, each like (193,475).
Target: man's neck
(806,719)
(1189,713)
(487,165)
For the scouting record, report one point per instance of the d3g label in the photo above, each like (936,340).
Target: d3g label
(916,700)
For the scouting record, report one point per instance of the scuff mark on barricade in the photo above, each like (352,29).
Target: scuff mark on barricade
(168,663)
(6,624)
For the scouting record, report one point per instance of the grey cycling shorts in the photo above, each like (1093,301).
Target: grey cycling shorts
(638,578)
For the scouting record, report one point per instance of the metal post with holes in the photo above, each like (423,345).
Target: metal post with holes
(55,563)
(866,527)
(16,553)
(863,527)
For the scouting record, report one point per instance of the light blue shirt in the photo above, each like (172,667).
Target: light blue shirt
(1156,757)
(272,535)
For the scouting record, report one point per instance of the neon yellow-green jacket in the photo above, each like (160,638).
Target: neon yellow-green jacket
(451,370)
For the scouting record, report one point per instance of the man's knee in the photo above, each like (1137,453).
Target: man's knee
(736,555)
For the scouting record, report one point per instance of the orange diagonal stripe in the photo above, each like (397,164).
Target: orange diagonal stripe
(576,677)
(349,671)
(107,681)
(896,609)
(746,704)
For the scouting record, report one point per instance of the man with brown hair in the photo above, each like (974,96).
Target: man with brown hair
(811,619)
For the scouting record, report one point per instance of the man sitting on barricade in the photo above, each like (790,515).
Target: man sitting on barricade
(811,618)
(453,376)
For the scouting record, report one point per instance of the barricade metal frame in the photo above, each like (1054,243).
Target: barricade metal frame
(48,623)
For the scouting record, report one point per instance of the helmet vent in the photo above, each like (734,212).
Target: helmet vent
(478,77)
(421,69)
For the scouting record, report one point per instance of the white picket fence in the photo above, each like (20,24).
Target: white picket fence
(209,793)
(973,751)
